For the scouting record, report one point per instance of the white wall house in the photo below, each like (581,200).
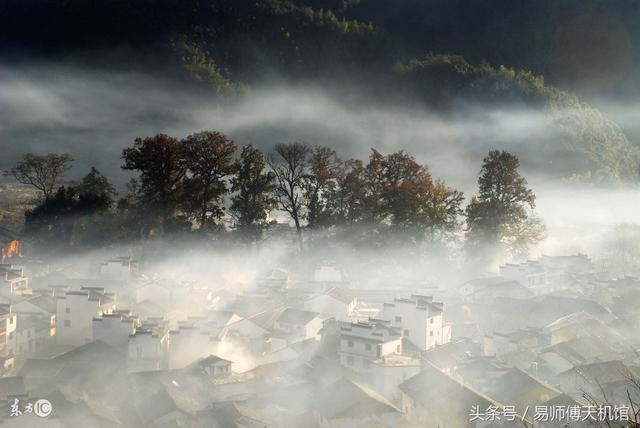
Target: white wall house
(7,336)
(74,315)
(113,329)
(156,292)
(295,325)
(374,349)
(13,282)
(214,366)
(188,344)
(337,303)
(362,342)
(419,319)
(33,332)
(147,349)
(531,274)
(327,274)
(119,268)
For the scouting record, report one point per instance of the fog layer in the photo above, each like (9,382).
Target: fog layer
(95,114)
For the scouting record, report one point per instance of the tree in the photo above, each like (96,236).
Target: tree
(252,186)
(500,212)
(345,200)
(97,184)
(42,172)
(318,182)
(49,223)
(413,203)
(290,168)
(159,161)
(73,217)
(208,160)
(392,193)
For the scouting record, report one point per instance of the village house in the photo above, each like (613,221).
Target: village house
(505,384)
(362,342)
(155,291)
(13,283)
(33,333)
(213,366)
(324,279)
(7,337)
(603,378)
(346,403)
(526,339)
(419,319)
(278,280)
(42,303)
(75,312)
(248,338)
(448,357)
(188,343)
(582,324)
(216,320)
(336,302)
(124,268)
(578,263)
(505,288)
(148,347)
(434,399)
(294,325)
(114,328)
(530,274)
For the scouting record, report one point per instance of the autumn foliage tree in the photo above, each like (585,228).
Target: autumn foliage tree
(403,195)
(161,168)
(208,163)
(319,181)
(345,200)
(395,194)
(415,203)
(251,185)
(501,212)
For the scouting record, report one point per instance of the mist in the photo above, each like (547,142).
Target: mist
(93,114)
(193,300)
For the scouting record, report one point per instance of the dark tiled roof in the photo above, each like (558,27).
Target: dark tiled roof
(296,316)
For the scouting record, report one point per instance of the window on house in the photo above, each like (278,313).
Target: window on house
(431,333)
(67,323)
(68,310)
(398,319)
(406,333)
(350,361)
(350,344)
(10,320)
(367,347)
(398,349)
(431,321)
